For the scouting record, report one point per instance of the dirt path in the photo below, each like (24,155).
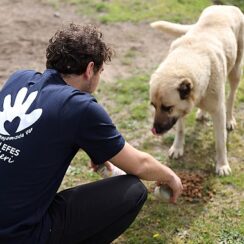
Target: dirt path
(27,25)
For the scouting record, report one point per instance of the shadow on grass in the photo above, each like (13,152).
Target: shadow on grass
(199,149)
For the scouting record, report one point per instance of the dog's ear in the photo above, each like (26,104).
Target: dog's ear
(185,88)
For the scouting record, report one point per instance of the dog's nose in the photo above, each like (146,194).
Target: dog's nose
(157,129)
(154,131)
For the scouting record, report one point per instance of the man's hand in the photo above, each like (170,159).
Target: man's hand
(96,166)
(175,185)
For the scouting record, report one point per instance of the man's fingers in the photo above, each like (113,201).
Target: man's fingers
(108,165)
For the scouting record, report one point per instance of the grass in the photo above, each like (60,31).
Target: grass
(238,3)
(220,219)
(142,10)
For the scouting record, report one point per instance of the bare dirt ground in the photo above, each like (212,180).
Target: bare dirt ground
(27,25)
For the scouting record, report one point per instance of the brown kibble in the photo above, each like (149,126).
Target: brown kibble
(199,195)
(193,187)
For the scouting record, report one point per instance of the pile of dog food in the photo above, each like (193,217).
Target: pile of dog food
(194,189)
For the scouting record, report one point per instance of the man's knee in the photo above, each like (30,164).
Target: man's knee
(137,192)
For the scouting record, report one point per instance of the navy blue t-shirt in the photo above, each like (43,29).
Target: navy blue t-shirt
(43,123)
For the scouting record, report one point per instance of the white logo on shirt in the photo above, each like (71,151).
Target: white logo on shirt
(17,113)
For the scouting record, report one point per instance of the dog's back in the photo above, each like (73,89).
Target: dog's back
(221,16)
(212,17)
(219,26)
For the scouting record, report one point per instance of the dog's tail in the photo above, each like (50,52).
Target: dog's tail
(171,28)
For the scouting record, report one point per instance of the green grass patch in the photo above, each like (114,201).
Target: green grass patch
(131,94)
(238,3)
(141,10)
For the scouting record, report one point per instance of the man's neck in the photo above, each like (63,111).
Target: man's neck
(77,81)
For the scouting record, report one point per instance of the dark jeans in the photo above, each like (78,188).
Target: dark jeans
(96,212)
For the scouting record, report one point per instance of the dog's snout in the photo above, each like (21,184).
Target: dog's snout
(160,128)
(157,129)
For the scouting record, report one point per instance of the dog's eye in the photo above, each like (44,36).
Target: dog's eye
(167,109)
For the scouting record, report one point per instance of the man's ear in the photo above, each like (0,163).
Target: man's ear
(185,88)
(89,70)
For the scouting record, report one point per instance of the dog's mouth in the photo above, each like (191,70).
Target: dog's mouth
(161,128)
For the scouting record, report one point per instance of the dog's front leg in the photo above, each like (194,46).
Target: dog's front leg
(177,149)
(201,115)
(219,124)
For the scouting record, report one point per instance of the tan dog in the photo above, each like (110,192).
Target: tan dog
(194,74)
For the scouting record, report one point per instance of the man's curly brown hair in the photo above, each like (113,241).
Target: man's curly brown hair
(71,49)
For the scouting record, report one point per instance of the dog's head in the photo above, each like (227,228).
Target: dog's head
(172,98)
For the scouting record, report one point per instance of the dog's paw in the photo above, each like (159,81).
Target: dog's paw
(201,115)
(231,124)
(175,152)
(223,170)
